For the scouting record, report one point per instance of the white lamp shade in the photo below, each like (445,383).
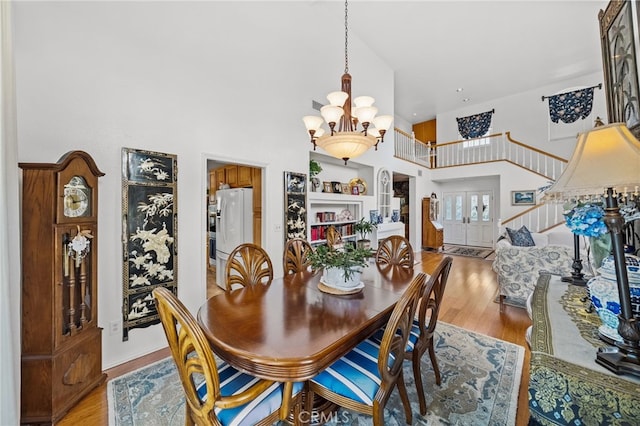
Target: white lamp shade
(319,132)
(346,144)
(363,101)
(373,132)
(331,114)
(605,157)
(383,122)
(337,98)
(312,122)
(365,114)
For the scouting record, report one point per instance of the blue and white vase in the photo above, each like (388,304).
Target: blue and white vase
(603,291)
(395,216)
(373,216)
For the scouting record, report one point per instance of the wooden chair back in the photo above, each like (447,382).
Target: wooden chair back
(390,357)
(192,355)
(295,257)
(395,250)
(247,265)
(429,308)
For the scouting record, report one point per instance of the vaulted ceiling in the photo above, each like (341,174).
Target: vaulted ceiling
(490,49)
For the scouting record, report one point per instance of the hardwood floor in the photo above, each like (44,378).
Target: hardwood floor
(468,303)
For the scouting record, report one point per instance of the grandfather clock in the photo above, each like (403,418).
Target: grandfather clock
(61,341)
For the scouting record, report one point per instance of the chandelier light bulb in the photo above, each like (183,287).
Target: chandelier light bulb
(331,113)
(312,122)
(365,114)
(337,98)
(383,122)
(363,101)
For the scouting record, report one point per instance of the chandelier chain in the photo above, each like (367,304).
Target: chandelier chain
(346,38)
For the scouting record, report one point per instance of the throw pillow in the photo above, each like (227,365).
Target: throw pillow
(521,238)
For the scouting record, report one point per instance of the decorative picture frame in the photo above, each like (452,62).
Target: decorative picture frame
(326,187)
(618,34)
(345,188)
(355,190)
(295,205)
(337,187)
(149,233)
(523,198)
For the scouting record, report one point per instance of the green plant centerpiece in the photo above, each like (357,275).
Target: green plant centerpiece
(363,227)
(342,268)
(314,169)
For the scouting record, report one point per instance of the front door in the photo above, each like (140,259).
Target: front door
(468,218)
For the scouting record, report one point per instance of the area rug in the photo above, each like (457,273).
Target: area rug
(481,252)
(480,381)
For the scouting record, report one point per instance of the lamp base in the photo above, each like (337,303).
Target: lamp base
(575,279)
(620,360)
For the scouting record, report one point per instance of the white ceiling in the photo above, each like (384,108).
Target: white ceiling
(491,49)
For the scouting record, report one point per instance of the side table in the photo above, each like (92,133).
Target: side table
(566,386)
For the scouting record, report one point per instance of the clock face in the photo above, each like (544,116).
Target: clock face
(77,198)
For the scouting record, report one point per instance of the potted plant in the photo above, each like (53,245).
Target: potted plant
(364,228)
(314,169)
(341,268)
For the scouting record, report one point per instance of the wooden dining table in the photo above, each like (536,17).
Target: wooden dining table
(290,330)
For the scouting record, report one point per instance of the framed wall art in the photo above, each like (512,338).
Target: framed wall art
(618,32)
(149,233)
(523,198)
(295,205)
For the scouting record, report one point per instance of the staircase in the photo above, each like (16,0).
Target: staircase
(492,148)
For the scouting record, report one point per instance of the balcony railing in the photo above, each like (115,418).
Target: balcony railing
(496,147)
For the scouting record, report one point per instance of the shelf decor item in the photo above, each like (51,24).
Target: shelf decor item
(364,227)
(344,140)
(150,233)
(314,169)
(359,183)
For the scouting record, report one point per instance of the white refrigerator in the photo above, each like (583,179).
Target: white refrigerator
(234,225)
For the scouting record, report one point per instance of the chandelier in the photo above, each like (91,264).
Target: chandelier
(344,140)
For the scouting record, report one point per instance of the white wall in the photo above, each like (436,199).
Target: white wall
(526,116)
(197,79)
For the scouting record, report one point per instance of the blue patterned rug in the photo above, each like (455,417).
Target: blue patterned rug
(480,381)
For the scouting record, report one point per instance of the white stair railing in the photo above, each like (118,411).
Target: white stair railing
(496,147)
(538,218)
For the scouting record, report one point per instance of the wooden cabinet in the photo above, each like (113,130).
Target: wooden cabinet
(231,175)
(432,233)
(256,183)
(245,177)
(61,341)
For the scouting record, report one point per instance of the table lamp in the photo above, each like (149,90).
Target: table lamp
(606,163)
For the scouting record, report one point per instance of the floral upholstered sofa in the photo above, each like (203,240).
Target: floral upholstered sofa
(518,267)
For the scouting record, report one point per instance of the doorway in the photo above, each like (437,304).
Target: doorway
(227,175)
(467,218)
(401,191)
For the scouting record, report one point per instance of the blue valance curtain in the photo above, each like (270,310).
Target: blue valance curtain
(475,126)
(570,106)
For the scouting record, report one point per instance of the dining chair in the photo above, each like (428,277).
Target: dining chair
(295,256)
(216,393)
(395,250)
(423,328)
(364,378)
(247,265)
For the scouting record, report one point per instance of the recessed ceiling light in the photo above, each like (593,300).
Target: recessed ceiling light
(466,99)
(459,89)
